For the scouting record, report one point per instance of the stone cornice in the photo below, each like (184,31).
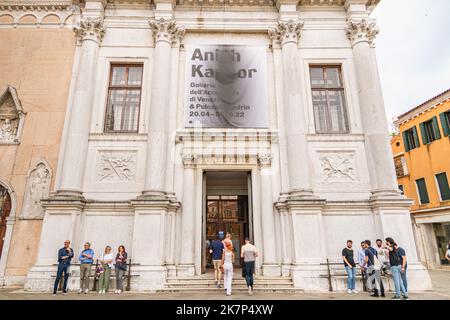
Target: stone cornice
(36,5)
(166,30)
(364,30)
(286,31)
(90,29)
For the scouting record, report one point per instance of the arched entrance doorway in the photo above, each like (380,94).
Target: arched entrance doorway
(5,210)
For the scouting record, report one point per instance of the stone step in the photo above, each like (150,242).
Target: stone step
(239,286)
(221,290)
(237,281)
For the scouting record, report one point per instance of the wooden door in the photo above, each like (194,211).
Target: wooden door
(5,209)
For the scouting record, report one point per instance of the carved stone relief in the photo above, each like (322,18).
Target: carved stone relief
(337,168)
(37,188)
(116,166)
(11,116)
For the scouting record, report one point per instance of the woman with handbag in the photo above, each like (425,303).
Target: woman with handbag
(121,268)
(106,263)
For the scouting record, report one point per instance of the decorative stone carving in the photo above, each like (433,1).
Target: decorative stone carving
(337,168)
(166,30)
(189,160)
(286,31)
(116,167)
(90,29)
(265,160)
(361,30)
(11,116)
(37,188)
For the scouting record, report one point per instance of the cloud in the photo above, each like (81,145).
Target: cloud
(413,51)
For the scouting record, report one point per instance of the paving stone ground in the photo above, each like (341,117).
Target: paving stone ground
(440,278)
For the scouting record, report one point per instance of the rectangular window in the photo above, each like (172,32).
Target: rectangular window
(444,189)
(400,167)
(400,187)
(422,190)
(430,131)
(328,99)
(445,122)
(411,139)
(124,98)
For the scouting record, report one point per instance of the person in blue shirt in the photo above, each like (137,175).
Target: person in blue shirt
(362,265)
(86,259)
(64,256)
(216,249)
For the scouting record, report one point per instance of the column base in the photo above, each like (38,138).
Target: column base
(387,194)
(271,270)
(171,270)
(153,195)
(286,269)
(185,270)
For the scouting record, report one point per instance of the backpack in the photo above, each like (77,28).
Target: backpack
(376,262)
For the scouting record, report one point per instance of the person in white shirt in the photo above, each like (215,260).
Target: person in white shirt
(383,254)
(447,254)
(106,262)
(249,254)
(227,263)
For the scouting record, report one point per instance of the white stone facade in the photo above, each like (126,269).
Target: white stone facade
(309,192)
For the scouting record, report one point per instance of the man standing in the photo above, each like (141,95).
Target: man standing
(249,253)
(216,249)
(362,264)
(350,267)
(373,269)
(383,254)
(86,259)
(397,259)
(64,256)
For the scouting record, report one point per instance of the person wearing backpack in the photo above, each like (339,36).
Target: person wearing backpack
(373,269)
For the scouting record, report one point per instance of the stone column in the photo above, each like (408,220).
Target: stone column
(186,266)
(89,33)
(287,34)
(165,33)
(361,33)
(270,266)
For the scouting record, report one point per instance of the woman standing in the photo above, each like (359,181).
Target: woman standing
(106,262)
(227,263)
(121,268)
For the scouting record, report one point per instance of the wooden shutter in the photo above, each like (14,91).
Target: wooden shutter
(437,132)
(406,141)
(445,124)
(423,131)
(416,137)
(423,193)
(444,188)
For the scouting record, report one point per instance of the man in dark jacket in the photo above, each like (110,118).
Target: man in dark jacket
(64,256)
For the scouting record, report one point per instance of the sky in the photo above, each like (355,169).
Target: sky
(413,51)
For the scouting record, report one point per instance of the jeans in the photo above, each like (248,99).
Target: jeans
(228,276)
(405,281)
(373,276)
(119,278)
(85,273)
(249,268)
(398,283)
(62,268)
(104,278)
(351,280)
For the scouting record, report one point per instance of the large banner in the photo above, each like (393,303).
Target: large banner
(226,87)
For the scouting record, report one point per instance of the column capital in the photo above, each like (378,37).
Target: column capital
(363,30)
(286,31)
(264,160)
(166,30)
(189,160)
(90,29)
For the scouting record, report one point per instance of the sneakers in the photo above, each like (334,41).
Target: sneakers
(116,291)
(228,293)
(354,291)
(86,291)
(349,291)
(102,292)
(65,292)
(80,291)
(396,298)
(119,291)
(375,295)
(405,297)
(54,294)
(218,284)
(250,291)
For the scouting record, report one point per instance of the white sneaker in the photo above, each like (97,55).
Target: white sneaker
(349,291)
(100,292)
(228,294)
(119,291)
(249,290)
(86,291)
(116,291)
(80,291)
(354,291)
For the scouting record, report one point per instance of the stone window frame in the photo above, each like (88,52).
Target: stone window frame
(13,92)
(112,65)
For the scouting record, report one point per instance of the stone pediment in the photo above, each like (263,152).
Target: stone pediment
(11,116)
